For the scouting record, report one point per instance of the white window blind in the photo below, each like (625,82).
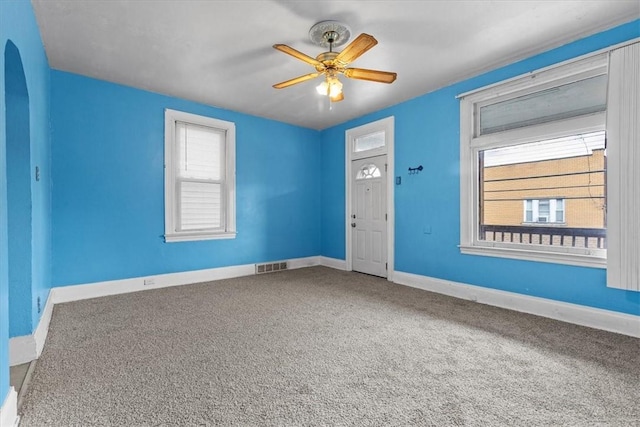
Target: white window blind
(623,159)
(200,177)
(574,99)
(200,206)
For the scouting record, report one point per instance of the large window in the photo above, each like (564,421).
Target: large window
(199,177)
(533,166)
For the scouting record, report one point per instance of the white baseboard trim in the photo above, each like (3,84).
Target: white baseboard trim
(123,286)
(40,334)
(607,320)
(310,261)
(25,348)
(9,410)
(22,349)
(114,287)
(338,264)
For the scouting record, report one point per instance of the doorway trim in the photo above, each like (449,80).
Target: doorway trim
(387,125)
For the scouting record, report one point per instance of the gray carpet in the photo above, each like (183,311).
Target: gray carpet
(323,347)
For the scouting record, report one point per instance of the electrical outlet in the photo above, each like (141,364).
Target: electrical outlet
(149,281)
(38,302)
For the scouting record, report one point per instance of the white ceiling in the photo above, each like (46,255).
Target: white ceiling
(220,52)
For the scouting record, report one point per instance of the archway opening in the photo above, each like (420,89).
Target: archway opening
(18,170)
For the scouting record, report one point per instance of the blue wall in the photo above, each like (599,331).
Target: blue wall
(427,133)
(108,193)
(18,27)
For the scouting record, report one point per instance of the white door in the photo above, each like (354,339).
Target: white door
(369,216)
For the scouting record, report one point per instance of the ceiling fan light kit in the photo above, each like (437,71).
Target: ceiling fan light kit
(331,87)
(330,64)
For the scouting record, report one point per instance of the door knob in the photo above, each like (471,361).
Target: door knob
(353,224)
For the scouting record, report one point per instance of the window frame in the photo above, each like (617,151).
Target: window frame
(172,232)
(371,152)
(471,144)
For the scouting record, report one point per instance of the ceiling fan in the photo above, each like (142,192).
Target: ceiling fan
(331,64)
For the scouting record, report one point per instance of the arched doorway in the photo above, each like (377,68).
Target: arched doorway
(18,170)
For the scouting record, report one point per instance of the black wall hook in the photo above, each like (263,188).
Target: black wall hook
(414,171)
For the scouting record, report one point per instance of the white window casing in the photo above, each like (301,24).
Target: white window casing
(623,162)
(529,211)
(472,141)
(199,177)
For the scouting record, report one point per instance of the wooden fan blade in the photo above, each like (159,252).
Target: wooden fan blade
(360,45)
(299,55)
(371,75)
(296,80)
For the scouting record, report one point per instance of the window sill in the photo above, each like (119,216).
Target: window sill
(188,237)
(582,260)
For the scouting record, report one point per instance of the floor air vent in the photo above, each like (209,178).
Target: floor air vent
(270,267)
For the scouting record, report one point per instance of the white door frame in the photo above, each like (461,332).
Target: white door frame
(386,125)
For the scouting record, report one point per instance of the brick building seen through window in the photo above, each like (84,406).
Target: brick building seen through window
(549,192)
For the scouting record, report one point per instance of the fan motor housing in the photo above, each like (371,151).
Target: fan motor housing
(327,57)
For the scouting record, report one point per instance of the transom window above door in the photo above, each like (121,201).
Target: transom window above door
(369,142)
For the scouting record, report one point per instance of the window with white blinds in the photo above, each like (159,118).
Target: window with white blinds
(574,99)
(533,166)
(199,177)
